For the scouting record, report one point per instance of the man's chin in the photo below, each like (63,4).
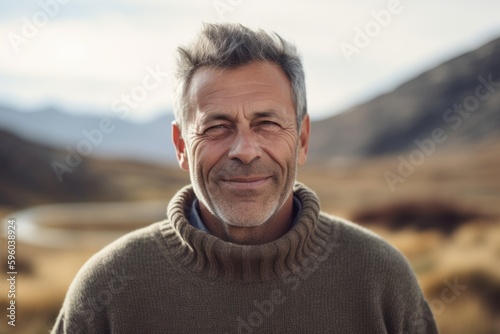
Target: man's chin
(247,212)
(244,218)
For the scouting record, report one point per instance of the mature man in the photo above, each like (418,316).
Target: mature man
(244,249)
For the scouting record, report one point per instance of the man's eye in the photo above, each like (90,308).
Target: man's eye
(216,129)
(269,125)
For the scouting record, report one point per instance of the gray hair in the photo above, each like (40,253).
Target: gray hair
(231,45)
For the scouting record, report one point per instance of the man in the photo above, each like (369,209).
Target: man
(244,249)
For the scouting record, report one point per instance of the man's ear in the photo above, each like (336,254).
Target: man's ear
(180,146)
(304,140)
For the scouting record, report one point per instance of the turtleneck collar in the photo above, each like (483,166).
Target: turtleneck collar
(217,259)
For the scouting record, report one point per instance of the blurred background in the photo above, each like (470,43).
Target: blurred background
(404,97)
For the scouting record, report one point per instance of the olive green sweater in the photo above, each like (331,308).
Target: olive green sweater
(325,275)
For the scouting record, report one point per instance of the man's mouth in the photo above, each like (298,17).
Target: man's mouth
(246,182)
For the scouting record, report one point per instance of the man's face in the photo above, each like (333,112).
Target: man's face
(241,144)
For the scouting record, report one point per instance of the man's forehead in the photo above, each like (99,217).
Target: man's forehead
(256,72)
(256,88)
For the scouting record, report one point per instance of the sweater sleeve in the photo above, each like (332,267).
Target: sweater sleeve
(424,322)
(410,313)
(405,307)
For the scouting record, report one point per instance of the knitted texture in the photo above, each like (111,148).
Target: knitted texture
(326,275)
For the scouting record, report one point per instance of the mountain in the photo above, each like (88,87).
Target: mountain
(32,174)
(458,101)
(27,176)
(97,135)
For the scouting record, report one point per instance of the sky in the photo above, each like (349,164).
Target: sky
(107,56)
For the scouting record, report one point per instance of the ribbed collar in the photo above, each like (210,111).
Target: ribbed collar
(214,258)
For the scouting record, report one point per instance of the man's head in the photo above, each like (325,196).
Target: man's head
(241,127)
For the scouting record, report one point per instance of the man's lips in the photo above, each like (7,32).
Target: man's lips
(247,182)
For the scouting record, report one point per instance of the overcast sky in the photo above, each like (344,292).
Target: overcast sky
(83,56)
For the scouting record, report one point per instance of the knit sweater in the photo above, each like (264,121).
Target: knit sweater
(326,275)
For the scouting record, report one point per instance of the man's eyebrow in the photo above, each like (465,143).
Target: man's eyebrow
(219,116)
(267,113)
(216,117)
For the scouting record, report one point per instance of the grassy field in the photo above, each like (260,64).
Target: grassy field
(457,259)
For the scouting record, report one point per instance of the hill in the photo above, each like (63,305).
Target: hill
(148,141)
(460,97)
(33,174)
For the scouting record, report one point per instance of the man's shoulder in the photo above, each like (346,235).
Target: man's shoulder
(124,255)
(113,274)
(128,244)
(364,246)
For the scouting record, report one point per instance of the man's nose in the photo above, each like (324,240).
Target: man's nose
(245,147)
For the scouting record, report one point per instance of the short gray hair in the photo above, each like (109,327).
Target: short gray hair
(231,45)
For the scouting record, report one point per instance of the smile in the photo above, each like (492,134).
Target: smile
(243,183)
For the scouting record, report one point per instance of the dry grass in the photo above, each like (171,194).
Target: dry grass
(470,179)
(42,280)
(467,185)
(469,260)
